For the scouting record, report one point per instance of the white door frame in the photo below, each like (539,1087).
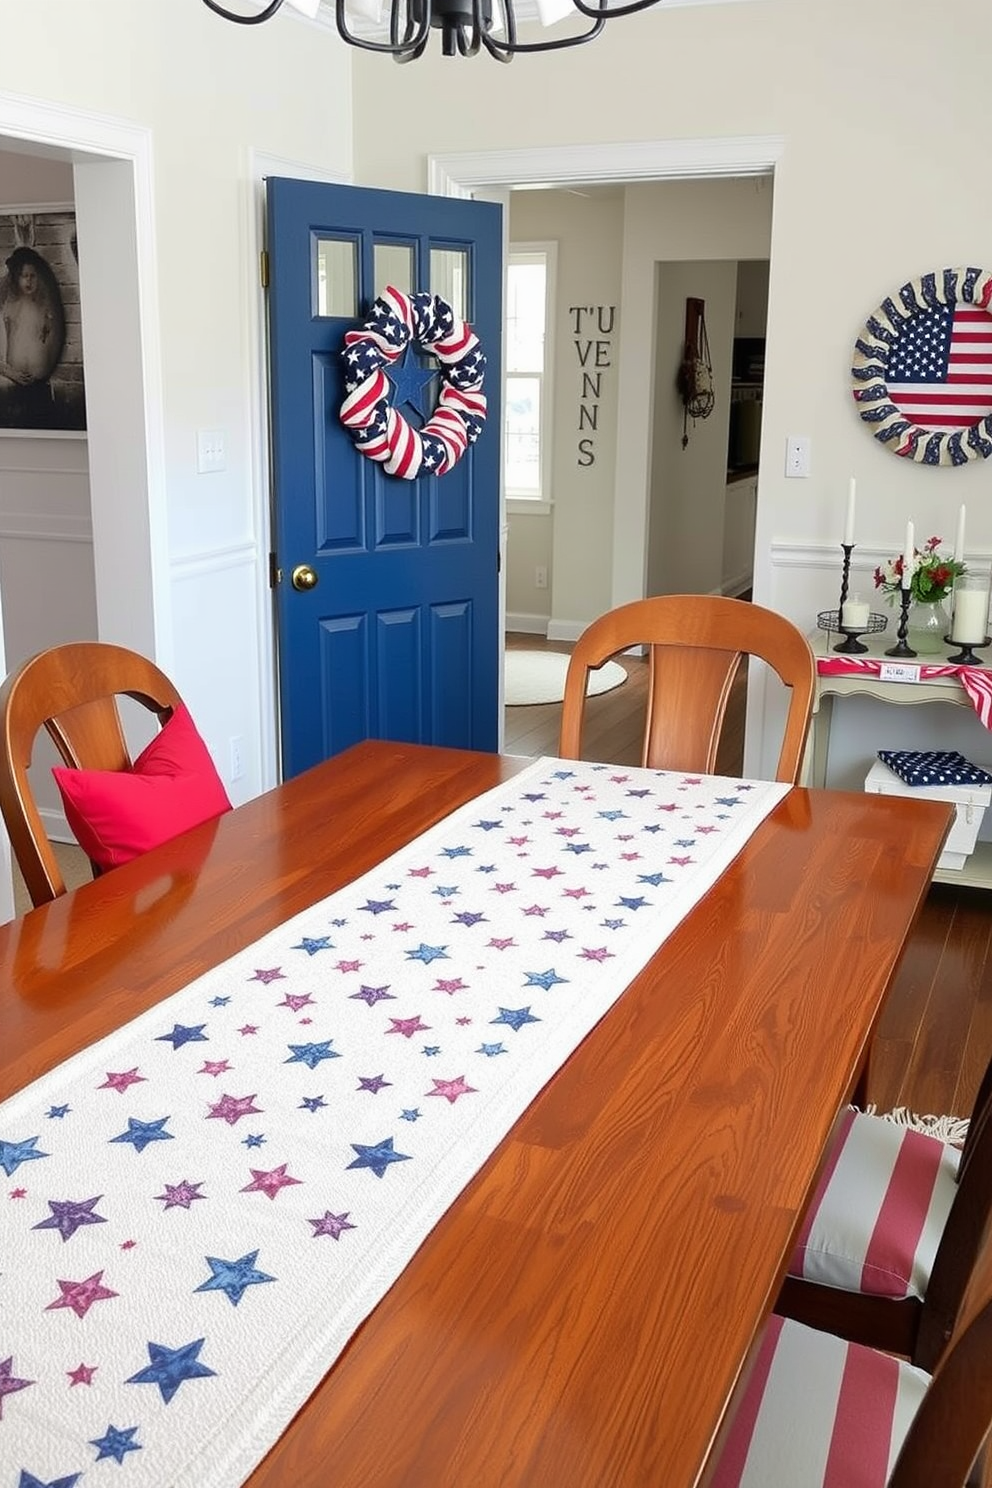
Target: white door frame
(113,188)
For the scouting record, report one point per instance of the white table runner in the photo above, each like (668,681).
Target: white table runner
(199,1210)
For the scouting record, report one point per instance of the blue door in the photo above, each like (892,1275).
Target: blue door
(386,588)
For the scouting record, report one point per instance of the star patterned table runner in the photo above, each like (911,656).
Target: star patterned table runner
(201,1208)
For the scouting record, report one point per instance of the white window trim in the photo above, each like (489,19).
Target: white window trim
(541,506)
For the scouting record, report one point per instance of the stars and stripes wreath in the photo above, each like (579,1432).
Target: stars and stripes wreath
(923,368)
(379,430)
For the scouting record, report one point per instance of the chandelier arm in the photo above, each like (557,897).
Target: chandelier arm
(245,20)
(609,13)
(405,50)
(505,51)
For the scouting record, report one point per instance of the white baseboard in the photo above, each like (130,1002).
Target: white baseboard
(528,624)
(566,630)
(734,588)
(56,826)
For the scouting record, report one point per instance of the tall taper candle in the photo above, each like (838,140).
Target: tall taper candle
(959,540)
(908,555)
(849,521)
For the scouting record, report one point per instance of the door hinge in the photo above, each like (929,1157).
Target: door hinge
(275,572)
(499,561)
(263,268)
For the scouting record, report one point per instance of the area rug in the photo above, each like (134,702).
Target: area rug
(951,1129)
(539,677)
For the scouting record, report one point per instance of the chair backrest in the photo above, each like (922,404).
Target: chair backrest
(71,691)
(963,1237)
(953,1422)
(696,645)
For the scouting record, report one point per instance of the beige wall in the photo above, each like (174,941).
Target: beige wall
(688,486)
(634,242)
(577,535)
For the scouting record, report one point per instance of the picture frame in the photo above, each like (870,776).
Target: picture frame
(42,384)
(921,368)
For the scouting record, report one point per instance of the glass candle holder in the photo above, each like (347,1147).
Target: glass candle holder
(970,620)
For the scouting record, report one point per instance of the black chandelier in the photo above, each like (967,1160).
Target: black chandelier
(466,26)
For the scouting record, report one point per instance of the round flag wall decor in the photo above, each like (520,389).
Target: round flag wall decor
(922,368)
(375,366)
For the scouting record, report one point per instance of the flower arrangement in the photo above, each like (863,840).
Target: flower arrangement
(932,578)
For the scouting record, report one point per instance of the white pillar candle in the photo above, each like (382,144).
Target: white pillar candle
(959,540)
(854,614)
(971,615)
(849,520)
(908,557)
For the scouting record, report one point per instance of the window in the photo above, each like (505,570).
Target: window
(527,399)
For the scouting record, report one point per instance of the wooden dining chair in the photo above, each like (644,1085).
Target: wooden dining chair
(696,644)
(893,1234)
(817,1411)
(70,691)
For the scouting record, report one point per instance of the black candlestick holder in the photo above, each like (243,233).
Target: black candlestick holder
(830,621)
(845,575)
(966,656)
(901,648)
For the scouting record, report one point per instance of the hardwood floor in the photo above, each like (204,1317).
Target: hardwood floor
(935,1037)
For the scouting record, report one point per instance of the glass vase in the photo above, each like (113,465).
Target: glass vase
(928,624)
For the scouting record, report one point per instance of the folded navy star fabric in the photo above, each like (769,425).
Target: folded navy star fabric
(934,767)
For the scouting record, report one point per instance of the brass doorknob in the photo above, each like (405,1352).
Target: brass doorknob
(303,577)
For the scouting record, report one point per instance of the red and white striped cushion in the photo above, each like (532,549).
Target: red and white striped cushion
(875,1221)
(819,1413)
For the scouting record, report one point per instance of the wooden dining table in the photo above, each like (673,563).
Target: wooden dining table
(581,1315)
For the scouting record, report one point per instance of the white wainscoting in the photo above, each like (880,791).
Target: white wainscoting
(47,580)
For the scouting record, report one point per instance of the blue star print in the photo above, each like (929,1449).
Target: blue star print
(456,852)
(233,1277)
(312,1102)
(378,906)
(28,1480)
(491,1050)
(12,1154)
(427,954)
(140,1133)
(515,1017)
(377,1158)
(54,1112)
(311,1054)
(169,1368)
(116,1442)
(312,945)
(653,878)
(546,979)
(487,826)
(638,903)
(182,1035)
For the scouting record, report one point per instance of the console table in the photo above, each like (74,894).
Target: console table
(977,871)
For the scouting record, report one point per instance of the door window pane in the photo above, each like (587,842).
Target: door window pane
(393,265)
(337,277)
(449,278)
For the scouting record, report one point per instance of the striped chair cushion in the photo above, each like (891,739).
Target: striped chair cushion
(817,1412)
(876,1218)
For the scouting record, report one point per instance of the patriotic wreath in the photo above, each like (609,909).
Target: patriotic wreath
(922,372)
(379,430)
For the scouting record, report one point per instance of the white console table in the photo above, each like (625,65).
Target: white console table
(977,871)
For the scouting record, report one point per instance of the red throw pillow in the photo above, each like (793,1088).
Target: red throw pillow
(117,815)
